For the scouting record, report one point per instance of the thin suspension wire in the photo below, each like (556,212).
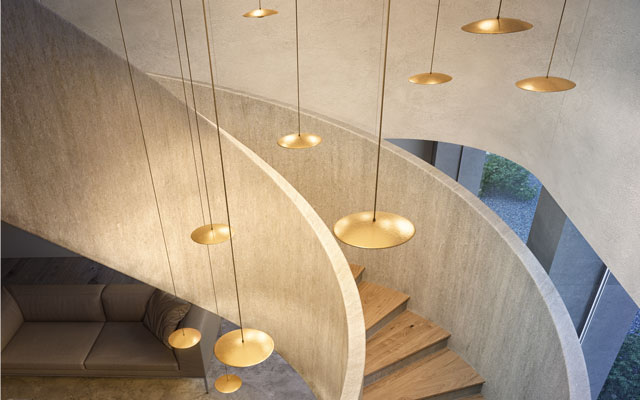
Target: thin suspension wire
(146,150)
(435,34)
(499,9)
(195,109)
(224,181)
(557,34)
(193,149)
(298,68)
(384,75)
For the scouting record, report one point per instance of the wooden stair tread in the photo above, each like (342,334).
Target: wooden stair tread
(356,270)
(404,336)
(439,373)
(378,302)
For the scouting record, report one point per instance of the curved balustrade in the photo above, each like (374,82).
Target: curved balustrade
(464,269)
(74,172)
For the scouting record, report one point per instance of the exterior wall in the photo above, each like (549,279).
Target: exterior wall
(74,172)
(581,144)
(464,269)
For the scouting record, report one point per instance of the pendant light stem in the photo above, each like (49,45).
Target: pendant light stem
(193,149)
(556,40)
(298,68)
(195,109)
(260,4)
(146,150)
(384,76)
(499,9)
(435,34)
(224,181)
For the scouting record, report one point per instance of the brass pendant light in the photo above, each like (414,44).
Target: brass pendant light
(299,140)
(228,383)
(208,233)
(182,338)
(375,229)
(548,83)
(431,78)
(497,25)
(259,12)
(241,347)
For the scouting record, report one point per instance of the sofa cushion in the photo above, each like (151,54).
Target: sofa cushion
(129,346)
(126,302)
(164,313)
(74,303)
(50,345)
(11,317)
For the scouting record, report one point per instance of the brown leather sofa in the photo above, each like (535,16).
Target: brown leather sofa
(95,330)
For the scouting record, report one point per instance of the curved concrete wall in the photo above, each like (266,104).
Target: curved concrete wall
(464,269)
(74,172)
(581,144)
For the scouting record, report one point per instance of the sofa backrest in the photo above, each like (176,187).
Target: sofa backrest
(11,317)
(46,303)
(126,302)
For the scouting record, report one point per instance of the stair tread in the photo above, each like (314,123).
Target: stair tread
(404,336)
(378,302)
(356,270)
(439,373)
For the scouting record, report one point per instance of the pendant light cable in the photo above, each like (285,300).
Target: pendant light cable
(384,74)
(557,34)
(224,181)
(146,150)
(499,9)
(435,34)
(298,68)
(195,109)
(193,151)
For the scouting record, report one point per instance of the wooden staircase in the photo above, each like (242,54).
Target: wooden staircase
(406,355)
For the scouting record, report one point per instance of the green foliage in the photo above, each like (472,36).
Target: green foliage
(623,382)
(501,176)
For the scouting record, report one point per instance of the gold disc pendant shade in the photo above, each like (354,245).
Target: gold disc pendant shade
(259,13)
(497,26)
(361,230)
(243,347)
(212,234)
(299,141)
(376,229)
(431,78)
(228,383)
(545,84)
(184,338)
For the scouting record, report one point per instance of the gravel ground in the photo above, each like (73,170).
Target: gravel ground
(516,213)
(635,325)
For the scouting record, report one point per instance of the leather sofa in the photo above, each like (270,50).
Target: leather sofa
(95,331)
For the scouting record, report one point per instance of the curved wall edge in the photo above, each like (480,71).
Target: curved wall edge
(74,172)
(466,242)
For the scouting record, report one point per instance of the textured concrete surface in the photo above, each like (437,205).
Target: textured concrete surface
(464,269)
(581,144)
(74,172)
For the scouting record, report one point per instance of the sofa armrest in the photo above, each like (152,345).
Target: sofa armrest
(194,361)
(11,317)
